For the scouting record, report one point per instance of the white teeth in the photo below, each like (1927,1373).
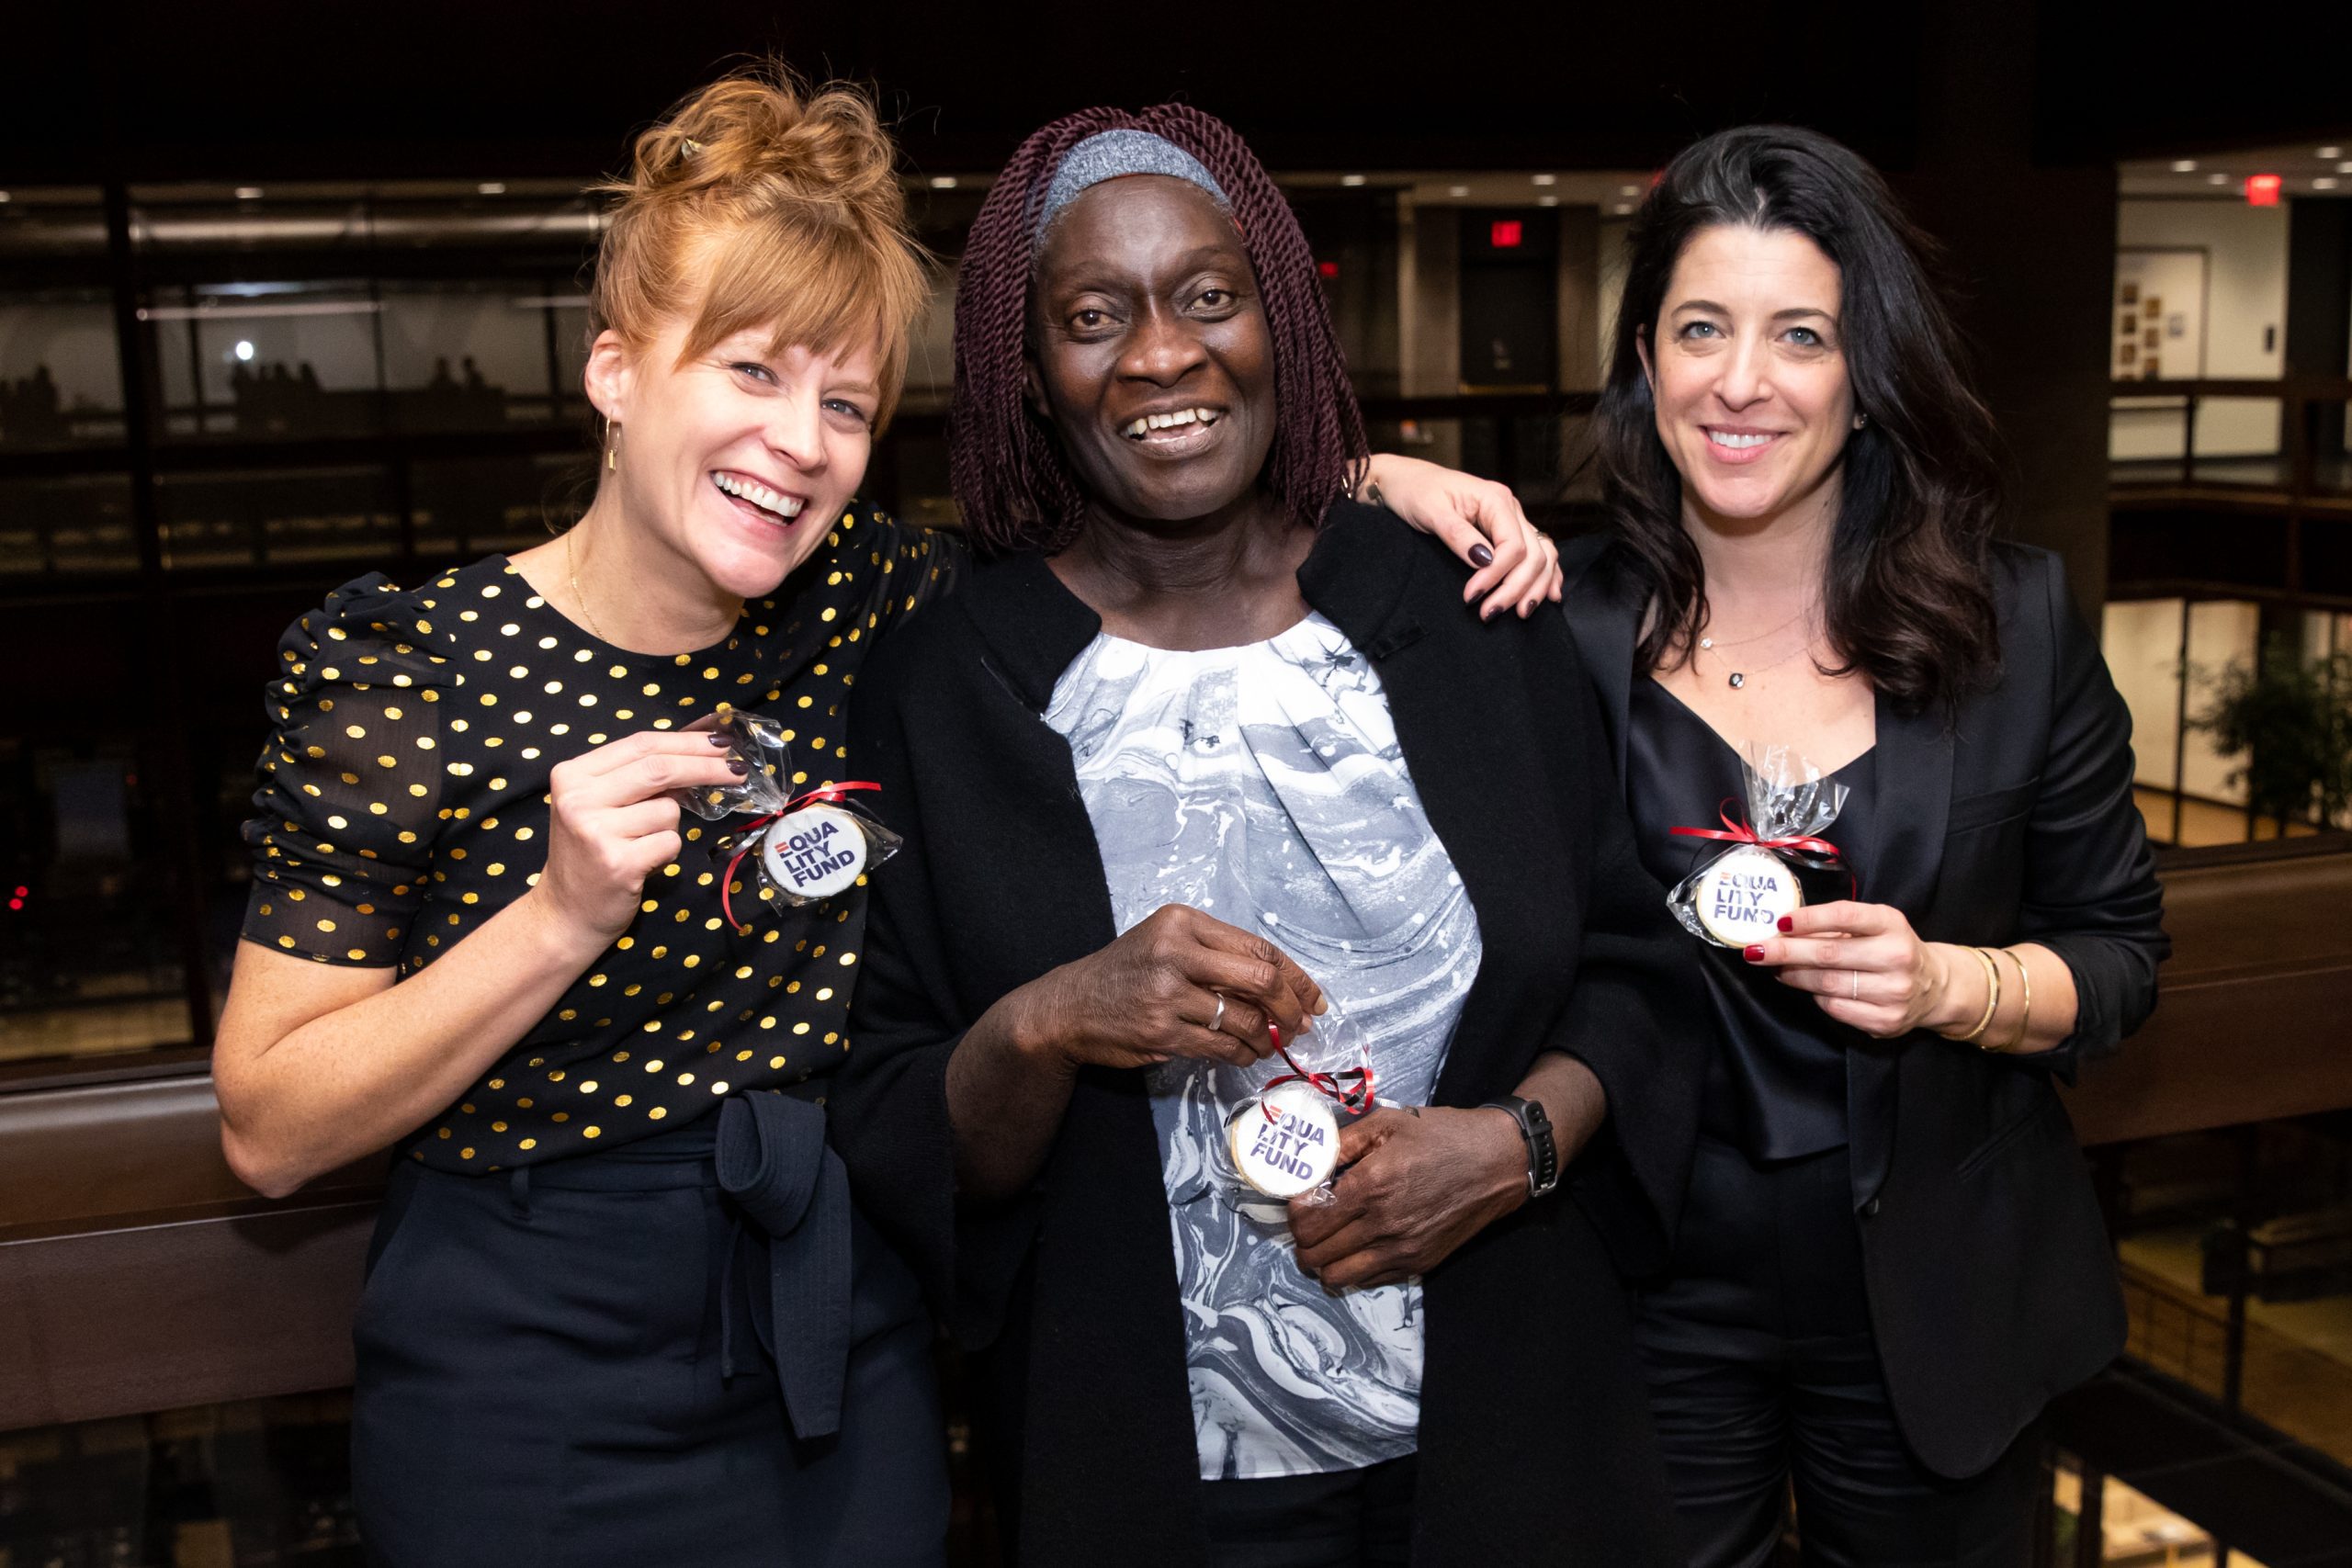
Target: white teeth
(1164,420)
(1737,443)
(785,506)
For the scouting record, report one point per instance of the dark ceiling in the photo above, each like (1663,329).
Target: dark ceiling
(278,88)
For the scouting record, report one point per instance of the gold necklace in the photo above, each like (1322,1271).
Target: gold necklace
(571,567)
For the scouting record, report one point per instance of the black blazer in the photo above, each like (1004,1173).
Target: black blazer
(1534,1437)
(1992,1281)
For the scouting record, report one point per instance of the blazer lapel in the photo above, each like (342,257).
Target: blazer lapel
(1913,780)
(1473,767)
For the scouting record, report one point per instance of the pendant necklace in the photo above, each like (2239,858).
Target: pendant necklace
(1739,677)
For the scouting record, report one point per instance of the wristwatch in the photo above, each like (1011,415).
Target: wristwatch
(1536,1129)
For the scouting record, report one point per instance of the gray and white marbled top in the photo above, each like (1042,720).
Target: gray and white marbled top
(1263,784)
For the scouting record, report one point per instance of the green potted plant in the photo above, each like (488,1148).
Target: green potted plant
(2291,719)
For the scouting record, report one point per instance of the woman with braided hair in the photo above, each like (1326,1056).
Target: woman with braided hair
(1202,774)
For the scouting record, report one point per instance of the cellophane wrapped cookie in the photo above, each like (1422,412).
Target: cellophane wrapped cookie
(1279,1128)
(1777,861)
(805,847)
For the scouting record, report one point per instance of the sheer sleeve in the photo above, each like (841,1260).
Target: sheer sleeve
(909,566)
(350,781)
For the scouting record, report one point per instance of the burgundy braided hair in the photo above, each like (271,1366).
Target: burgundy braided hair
(1010,483)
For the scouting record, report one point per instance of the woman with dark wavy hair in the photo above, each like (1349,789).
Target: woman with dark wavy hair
(1890,1256)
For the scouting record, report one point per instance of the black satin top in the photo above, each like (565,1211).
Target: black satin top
(1775,1085)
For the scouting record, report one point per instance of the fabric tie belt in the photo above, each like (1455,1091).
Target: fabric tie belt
(772,1159)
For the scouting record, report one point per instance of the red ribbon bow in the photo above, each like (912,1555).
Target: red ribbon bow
(1741,833)
(751,833)
(1357,1100)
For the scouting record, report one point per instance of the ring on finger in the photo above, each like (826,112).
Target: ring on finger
(1218,1017)
(1858,982)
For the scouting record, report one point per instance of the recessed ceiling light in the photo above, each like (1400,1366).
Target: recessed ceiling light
(249,192)
(2217,179)
(492,188)
(943,181)
(2184,166)
(2345,168)
(1629,190)
(1547,179)
(2325,182)
(1624,208)
(1457,190)
(2331,151)
(4,196)
(1547,201)
(1352,179)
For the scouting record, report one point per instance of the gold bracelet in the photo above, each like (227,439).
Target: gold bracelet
(1992,999)
(2025,1019)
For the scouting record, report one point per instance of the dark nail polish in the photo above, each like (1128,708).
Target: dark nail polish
(1487,614)
(1481,556)
(737,766)
(1755,954)
(719,738)
(1788,922)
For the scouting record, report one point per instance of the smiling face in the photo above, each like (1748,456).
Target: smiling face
(739,458)
(1149,352)
(1747,370)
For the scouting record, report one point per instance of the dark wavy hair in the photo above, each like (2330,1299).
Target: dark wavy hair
(1014,488)
(1907,599)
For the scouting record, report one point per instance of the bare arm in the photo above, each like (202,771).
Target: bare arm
(318,1065)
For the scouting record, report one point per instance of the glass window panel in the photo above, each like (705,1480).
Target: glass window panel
(279,516)
(467,508)
(60,380)
(467,356)
(89,966)
(79,522)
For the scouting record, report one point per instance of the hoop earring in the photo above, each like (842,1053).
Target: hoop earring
(612,449)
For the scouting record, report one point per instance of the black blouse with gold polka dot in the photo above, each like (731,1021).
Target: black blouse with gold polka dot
(403,801)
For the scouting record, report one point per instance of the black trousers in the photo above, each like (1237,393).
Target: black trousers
(540,1383)
(1764,1373)
(1349,1519)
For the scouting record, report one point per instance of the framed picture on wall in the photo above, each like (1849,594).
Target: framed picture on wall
(2155,287)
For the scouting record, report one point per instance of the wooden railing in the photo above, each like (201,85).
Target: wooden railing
(136,1274)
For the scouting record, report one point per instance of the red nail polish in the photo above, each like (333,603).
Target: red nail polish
(1788,922)
(1755,954)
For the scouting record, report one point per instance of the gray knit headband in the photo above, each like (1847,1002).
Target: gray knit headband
(1112,155)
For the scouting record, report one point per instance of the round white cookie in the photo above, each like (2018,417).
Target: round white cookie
(1740,898)
(814,852)
(1285,1141)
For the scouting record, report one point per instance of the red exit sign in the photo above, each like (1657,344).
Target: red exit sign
(2262,190)
(1504,234)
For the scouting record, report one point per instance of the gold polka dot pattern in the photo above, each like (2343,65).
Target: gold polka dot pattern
(404,802)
